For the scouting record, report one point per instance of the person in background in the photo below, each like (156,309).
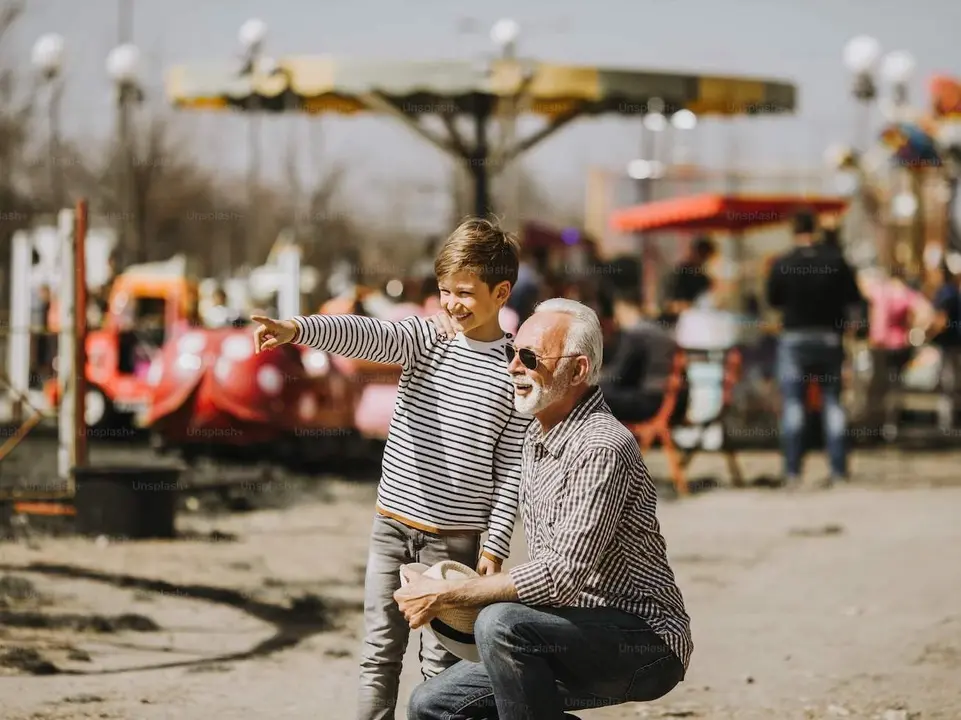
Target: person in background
(944,330)
(530,283)
(638,362)
(691,279)
(894,310)
(813,287)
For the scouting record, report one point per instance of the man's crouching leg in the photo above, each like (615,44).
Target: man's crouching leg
(462,692)
(511,642)
(544,661)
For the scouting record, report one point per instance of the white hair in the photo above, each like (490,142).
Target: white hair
(584,337)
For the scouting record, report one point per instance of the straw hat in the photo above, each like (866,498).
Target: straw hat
(454,628)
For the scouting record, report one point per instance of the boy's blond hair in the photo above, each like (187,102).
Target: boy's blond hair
(480,247)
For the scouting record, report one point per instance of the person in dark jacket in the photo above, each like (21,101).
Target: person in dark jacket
(815,290)
(691,279)
(638,363)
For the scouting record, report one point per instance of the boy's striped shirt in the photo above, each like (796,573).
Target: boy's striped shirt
(453,454)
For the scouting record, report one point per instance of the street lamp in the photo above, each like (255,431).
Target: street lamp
(861,55)
(252,35)
(123,67)
(897,68)
(504,34)
(47,57)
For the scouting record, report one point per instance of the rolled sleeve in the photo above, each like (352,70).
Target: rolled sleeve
(532,581)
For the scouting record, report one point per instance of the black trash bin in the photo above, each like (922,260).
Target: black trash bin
(131,502)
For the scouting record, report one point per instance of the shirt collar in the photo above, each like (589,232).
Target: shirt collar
(555,439)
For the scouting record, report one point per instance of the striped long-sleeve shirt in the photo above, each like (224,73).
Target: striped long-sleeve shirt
(589,510)
(453,454)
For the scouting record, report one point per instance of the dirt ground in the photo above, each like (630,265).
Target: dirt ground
(840,603)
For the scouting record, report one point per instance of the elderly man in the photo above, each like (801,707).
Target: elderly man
(595,617)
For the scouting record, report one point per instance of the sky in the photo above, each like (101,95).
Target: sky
(797,40)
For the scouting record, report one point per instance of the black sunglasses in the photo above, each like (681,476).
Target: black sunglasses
(529,358)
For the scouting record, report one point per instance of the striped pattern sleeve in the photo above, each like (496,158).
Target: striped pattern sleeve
(507,475)
(589,519)
(366,338)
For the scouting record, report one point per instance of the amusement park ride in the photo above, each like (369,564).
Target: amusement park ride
(152,365)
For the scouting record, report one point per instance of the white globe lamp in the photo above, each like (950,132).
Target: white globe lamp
(253,33)
(123,64)
(861,54)
(898,67)
(47,54)
(505,32)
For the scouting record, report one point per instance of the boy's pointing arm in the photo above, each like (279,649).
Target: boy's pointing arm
(366,338)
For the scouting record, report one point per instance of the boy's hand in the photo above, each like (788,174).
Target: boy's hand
(443,323)
(486,566)
(272,333)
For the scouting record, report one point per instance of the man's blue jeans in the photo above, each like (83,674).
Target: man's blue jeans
(803,358)
(540,662)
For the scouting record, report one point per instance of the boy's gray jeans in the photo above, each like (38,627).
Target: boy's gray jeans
(392,544)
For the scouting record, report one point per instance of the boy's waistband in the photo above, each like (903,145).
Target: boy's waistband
(425,528)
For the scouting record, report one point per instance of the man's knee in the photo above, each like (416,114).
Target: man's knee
(423,704)
(500,624)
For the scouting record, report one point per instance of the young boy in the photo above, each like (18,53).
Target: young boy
(452,462)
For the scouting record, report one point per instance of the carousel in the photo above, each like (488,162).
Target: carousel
(477,103)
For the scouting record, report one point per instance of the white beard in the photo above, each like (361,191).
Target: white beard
(539,398)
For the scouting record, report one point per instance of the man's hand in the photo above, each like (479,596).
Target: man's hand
(445,326)
(420,599)
(272,333)
(486,566)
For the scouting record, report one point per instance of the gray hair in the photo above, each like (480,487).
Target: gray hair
(584,337)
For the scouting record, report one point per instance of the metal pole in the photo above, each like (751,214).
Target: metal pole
(511,197)
(478,162)
(79,458)
(128,243)
(18,343)
(56,176)
(253,173)
(66,356)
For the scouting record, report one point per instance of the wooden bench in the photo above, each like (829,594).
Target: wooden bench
(661,428)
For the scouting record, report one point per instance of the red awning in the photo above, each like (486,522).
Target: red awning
(719,213)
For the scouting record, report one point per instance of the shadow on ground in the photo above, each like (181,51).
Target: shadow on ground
(305,617)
